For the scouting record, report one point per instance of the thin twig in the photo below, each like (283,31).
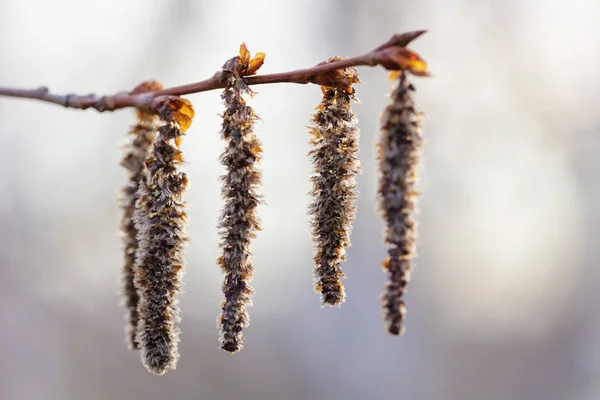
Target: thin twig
(217,81)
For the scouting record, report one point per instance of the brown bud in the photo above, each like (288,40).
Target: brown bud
(339,78)
(401,58)
(242,64)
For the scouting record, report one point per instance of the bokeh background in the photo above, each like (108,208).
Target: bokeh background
(503,302)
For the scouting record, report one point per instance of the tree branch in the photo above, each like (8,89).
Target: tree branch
(381,55)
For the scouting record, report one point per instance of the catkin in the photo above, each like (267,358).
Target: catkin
(399,155)
(160,219)
(334,156)
(239,223)
(135,149)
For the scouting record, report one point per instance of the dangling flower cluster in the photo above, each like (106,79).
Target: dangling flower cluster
(154,210)
(399,155)
(135,151)
(334,155)
(239,223)
(160,220)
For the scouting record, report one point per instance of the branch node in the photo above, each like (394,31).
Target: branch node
(109,102)
(68,100)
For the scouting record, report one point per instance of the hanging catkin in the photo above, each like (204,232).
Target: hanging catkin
(160,219)
(240,184)
(399,155)
(334,154)
(135,150)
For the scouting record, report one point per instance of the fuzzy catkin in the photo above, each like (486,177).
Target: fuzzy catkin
(334,156)
(160,219)
(399,156)
(239,223)
(136,148)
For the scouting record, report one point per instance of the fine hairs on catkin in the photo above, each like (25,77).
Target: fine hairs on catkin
(160,219)
(135,151)
(334,154)
(240,184)
(399,156)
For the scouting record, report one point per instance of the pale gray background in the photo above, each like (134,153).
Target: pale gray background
(503,301)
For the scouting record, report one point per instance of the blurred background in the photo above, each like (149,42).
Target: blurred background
(502,304)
